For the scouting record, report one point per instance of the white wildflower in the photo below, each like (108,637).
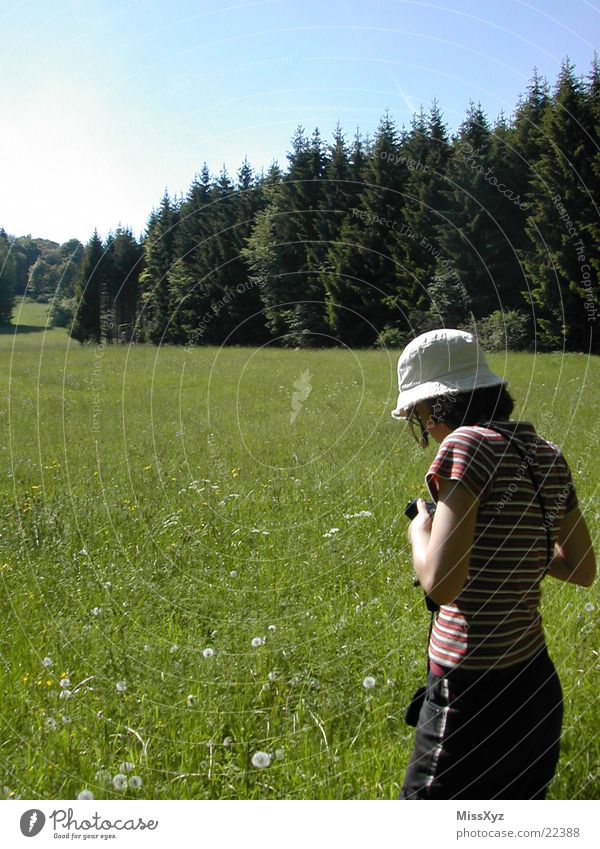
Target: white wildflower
(86,795)
(190,701)
(174,649)
(362,514)
(227,741)
(96,611)
(119,782)
(272,676)
(261,760)
(331,532)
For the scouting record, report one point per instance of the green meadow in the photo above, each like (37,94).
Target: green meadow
(203,557)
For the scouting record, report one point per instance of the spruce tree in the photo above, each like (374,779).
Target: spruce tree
(556,225)
(86,324)
(8,279)
(159,256)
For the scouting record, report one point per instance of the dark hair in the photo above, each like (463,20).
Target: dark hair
(472,406)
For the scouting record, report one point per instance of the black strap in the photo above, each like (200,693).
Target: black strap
(537,488)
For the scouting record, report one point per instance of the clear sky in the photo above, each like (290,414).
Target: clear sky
(106,103)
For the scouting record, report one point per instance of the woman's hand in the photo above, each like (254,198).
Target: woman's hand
(442,547)
(419,530)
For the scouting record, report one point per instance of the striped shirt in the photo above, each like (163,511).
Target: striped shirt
(495,619)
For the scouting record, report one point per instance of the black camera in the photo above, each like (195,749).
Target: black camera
(411,509)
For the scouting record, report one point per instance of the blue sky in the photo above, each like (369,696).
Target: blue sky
(108,102)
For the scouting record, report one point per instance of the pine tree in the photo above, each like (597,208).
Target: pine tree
(471,237)
(88,293)
(126,264)
(8,279)
(159,256)
(360,278)
(425,150)
(556,225)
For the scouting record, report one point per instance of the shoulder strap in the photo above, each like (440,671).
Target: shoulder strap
(538,491)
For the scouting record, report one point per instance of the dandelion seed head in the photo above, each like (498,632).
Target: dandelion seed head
(190,701)
(233,573)
(227,741)
(65,694)
(121,686)
(86,795)
(64,682)
(47,662)
(50,723)
(261,760)
(208,652)
(119,782)
(589,608)
(272,628)
(368,682)
(135,782)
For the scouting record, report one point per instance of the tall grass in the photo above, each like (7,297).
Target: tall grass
(158,502)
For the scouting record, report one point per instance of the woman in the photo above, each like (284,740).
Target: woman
(506,515)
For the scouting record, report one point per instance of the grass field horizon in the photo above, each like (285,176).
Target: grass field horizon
(203,557)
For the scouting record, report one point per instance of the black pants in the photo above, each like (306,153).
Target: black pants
(488,735)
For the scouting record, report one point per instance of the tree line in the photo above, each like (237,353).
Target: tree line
(370,241)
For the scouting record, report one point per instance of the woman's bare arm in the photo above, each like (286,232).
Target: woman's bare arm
(442,549)
(574,559)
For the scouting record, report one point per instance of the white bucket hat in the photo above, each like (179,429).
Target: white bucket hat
(441,362)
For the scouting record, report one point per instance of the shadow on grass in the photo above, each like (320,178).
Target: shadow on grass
(11,329)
